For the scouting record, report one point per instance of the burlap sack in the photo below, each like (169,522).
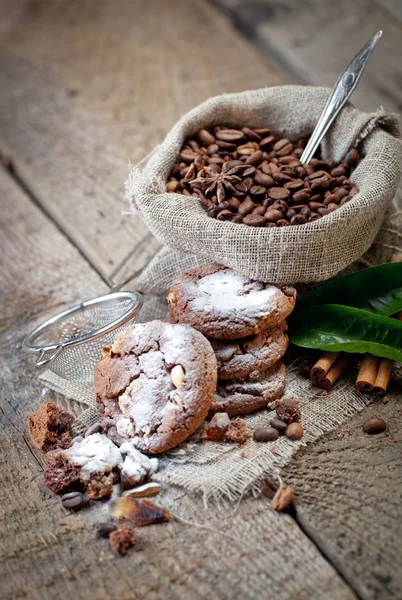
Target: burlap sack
(224,472)
(313,252)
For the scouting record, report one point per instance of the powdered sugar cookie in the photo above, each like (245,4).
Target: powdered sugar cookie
(239,397)
(225,305)
(238,358)
(156,382)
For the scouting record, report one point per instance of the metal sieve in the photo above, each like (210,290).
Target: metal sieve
(71,342)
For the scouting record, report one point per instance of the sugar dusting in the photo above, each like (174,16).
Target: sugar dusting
(224,291)
(95,454)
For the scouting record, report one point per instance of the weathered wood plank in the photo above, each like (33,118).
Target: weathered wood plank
(314,40)
(47,552)
(348,492)
(87,86)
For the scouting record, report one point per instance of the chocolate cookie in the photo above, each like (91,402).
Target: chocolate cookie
(239,397)
(225,305)
(238,358)
(157,383)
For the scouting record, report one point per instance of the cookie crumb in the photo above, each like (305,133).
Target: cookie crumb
(236,432)
(122,538)
(49,427)
(288,410)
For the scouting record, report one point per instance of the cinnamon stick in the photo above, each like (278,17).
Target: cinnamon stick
(366,377)
(374,373)
(339,366)
(322,366)
(383,376)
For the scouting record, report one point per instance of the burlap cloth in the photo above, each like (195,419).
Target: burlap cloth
(313,252)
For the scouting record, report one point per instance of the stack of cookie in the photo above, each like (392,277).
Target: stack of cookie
(244,321)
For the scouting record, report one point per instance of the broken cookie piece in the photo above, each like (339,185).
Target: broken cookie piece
(122,538)
(222,429)
(137,467)
(49,427)
(90,465)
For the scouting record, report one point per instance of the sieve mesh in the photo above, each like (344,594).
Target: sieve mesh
(78,358)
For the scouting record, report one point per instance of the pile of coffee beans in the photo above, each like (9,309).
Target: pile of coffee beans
(250,176)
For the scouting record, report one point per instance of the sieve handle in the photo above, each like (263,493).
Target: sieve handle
(345,85)
(40,361)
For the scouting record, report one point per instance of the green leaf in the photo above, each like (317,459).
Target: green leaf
(333,327)
(377,290)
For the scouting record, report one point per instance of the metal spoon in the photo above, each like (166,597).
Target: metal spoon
(345,85)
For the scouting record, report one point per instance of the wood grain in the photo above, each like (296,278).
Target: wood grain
(314,40)
(47,552)
(86,86)
(348,493)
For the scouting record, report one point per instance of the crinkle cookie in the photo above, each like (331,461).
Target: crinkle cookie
(239,397)
(238,358)
(91,465)
(156,382)
(225,305)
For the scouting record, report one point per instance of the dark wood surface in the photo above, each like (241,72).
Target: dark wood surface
(85,86)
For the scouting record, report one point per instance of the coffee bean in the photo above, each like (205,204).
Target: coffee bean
(265,434)
(224,215)
(237,219)
(280,205)
(374,425)
(264,179)
(290,213)
(301,197)
(230,135)
(305,211)
(213,149)
(338,171)
(316,205)
(331,207)
(323,211)
(95,428)
(105,529)
(226,146)
(205,138)
(251,134)
(234,202)
(74,500)
(246,206)
(277,193)
(281,426)
(172,186)
(254,220)
(283,223)
(273,215)
(298,220)
(188,155)
(283,147)
(255,158)
(267,141)
(259,210)
(257,191)
(294,185)
(294,431)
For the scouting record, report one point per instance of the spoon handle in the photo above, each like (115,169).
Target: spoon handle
(345,85)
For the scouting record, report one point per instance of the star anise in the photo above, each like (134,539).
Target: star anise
(215,182)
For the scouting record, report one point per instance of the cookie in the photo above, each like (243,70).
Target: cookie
(156,382)
(238,358)
(239,397)
(225,305)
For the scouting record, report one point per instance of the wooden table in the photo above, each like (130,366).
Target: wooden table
(85,86)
